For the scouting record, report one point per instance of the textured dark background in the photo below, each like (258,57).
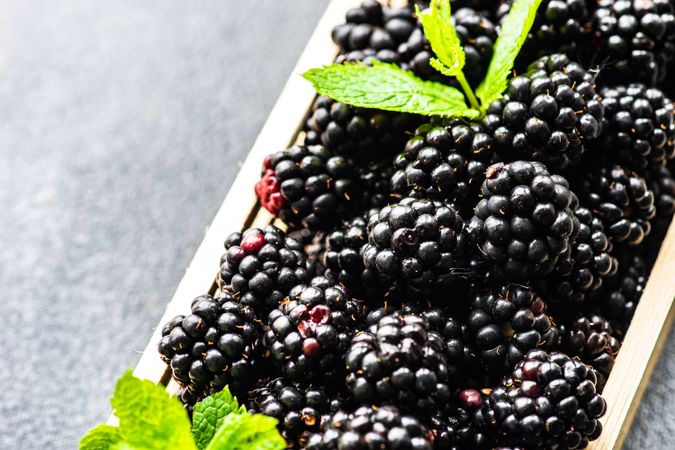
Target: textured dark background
(122,124)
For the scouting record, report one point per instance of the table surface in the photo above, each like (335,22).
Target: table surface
(122,125)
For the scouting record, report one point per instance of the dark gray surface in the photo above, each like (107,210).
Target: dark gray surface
(122,125)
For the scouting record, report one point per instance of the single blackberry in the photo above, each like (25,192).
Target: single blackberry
(454,428)
(416,242)
(309,186)
(217,345)
(560,26)
(620,199)
(549,114)
(635,40)
(444,163)
(549,401)
(505,323)
(638,128)
(260,267)
(399,361)
(524,223)
(591,339)
(581,271)
(374,179)
(662,184)
(367,428)
(366,135)
(311,330)
(300,410)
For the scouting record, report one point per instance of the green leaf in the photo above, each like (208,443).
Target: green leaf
(388,87)
(247,432)
(208,415)
(103,437)
(150,418)
(442,36)
(511,38)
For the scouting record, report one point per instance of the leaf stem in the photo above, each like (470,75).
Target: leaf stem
(468,91)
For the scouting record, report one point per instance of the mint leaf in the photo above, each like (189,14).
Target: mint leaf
(514,30)
(103,437)
(208,415)
(442,36)
(388,87)
(149,418)
(247,432)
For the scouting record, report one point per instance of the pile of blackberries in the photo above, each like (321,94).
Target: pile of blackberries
(441,284)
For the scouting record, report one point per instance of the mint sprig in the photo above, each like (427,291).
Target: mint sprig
(150,419)
(390,88)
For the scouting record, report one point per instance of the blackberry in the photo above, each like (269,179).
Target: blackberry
(620,199)
(454,428)
(662,184)
(635,40)
(399,361)
(591,339)
(549,114)
(560,26)
(638,128)
(505,323)
(444,163)
(619,298)
(416,242)
(261,266)
(300,410)
(311,330)
(581,271)
(549,401)
(524,223)
(367,428)
(374,179)
(217,345)
(309,186)
(364,134)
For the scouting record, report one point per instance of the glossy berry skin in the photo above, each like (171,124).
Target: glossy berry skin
(638,128)
(550,114)
(217,345)
(590,337)
(505,323)
(383,428)
(444,163)
(399,361)
(310,332)
(524,223)
(621,199)
(261,275)
(549,401)
(301,410)
(581,272)
(416,243)
(635,38)
(309,186)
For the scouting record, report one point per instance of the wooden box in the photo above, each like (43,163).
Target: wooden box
(240,209)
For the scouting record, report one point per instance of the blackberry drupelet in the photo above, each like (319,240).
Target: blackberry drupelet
(218,344)
(635,40)
(309,186)
(417,243)
(524,223)
(550,401)
(300,410)
(550,114)
(638,128)
(619,298)
(260,267)
(581,272)
(591,338)
(561,26)
(310,332)
(383,428)
(444,163)
(399,361)
(621,199)
(505,323)
(366,135)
